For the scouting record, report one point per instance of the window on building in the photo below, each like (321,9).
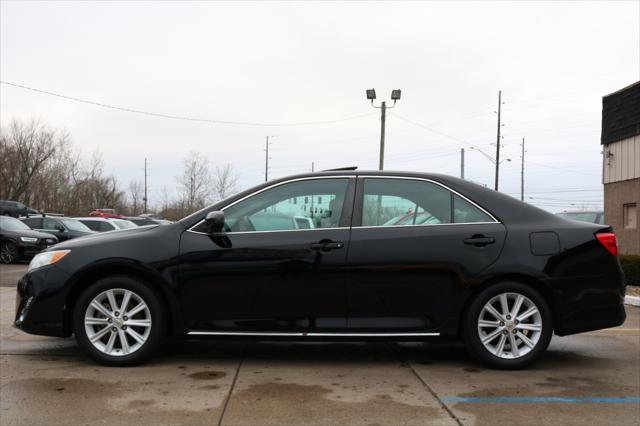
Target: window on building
(630,216)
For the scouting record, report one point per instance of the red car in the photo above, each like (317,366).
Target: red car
(105,213)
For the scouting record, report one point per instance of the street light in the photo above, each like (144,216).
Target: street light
(490,158)
(371,96)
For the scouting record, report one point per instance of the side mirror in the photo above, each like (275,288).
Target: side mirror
(215,221)
(60,228)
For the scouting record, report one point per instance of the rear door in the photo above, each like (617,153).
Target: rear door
(415,246)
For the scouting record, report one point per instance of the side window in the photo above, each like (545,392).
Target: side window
(465,212)
(51,224)
(307,204)
(33,222)
(394,202)
(91,224)
(105,226)
(391,202)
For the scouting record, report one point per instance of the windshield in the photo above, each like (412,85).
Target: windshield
(123,224)
(12,224)
(75,225)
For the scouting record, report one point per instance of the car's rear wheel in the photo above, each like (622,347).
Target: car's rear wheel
(508,325)
(119,321)
(8,252)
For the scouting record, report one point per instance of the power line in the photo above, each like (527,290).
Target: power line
(181,117)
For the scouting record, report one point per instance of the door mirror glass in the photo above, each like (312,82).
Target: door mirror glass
(214,221)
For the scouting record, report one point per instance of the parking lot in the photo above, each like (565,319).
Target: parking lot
(592,378)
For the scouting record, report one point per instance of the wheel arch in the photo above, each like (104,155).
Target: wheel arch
(148,276)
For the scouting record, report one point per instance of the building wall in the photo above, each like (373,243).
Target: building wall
(616,195)
(621,160)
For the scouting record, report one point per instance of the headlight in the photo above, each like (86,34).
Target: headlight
(29,239)
(46,258)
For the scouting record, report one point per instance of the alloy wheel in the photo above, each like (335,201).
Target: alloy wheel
(8,253)
(510,325)
(117,322)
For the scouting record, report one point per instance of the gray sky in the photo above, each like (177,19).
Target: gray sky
(272,62)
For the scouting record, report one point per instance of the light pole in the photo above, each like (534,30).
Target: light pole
(395,96)
(266,158)
(490,158)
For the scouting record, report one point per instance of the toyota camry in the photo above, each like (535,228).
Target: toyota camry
(341,254)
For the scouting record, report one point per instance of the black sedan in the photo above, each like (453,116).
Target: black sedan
(318,256)
(18,241)
(65,228)
(14,209)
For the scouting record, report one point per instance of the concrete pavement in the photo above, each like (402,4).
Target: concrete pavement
(586,379)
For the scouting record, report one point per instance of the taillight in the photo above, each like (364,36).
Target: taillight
(608,241)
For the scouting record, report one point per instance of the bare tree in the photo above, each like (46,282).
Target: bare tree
(25,148)
(136,196)
(224,183)
(195,182)
(40,168)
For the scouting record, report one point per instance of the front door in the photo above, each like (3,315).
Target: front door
(415,245)
(278,267)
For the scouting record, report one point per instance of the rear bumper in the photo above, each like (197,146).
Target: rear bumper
(590,303)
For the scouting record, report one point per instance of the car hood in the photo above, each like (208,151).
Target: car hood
(30,233)
(104,237)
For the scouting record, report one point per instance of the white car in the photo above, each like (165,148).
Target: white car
(105,224)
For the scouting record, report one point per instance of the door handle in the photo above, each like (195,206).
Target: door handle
(479,240)
(327,245)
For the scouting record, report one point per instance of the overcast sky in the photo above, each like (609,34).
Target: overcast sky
(271,63)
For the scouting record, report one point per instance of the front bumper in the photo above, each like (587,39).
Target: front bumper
(40,302)
(28,250)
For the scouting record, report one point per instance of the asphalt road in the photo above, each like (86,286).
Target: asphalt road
(588,379)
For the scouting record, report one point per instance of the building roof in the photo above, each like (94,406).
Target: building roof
(621,114)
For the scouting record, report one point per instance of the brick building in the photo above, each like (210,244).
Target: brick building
(621,165)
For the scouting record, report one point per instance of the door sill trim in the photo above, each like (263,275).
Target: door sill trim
(307,334)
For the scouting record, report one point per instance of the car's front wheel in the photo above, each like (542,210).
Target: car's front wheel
(119,321)
(8,252)
(508,325)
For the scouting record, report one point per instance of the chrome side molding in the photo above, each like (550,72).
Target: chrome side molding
(307,334)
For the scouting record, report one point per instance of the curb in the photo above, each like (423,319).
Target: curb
(632,300)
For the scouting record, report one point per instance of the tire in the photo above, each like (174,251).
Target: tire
(110,326)
(8,253)
(530,329)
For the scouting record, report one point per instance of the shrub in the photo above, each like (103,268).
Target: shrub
(631,267)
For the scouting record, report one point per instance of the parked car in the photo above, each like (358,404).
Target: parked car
(498,273)
(105,213)
(103,224)
(591,216)
(64,228)
(14,209)
(18,241)
(144,220)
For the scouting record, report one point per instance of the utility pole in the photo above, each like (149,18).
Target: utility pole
(522,174)
(461,163)
(145,185)
(313,167)
(498,141)
(383,119)
(266,160)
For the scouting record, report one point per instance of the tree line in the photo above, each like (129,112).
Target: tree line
(41,168)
